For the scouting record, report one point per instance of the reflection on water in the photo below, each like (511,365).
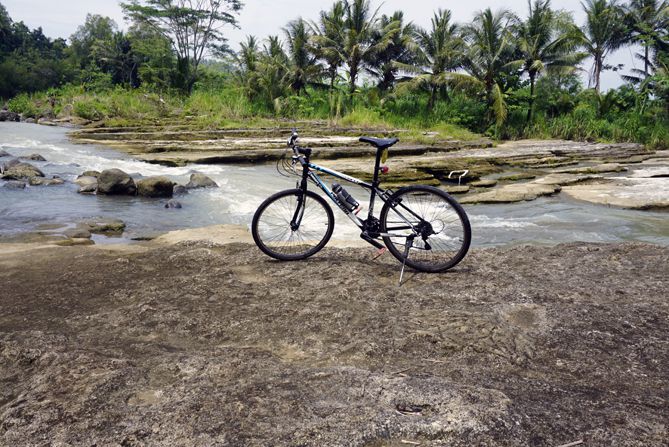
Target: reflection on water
(545,221)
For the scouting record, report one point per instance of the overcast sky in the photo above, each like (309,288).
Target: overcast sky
(60,18)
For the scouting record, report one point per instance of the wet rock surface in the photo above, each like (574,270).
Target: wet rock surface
(155,187)
(198,180)
(201,344)
(115,182)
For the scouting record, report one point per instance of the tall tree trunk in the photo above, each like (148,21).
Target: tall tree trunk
(645,61)
(433,98)
(353,74)
(598,73)
(531,105)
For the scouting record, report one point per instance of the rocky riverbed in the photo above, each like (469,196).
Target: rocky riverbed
(199,343)
(622,175)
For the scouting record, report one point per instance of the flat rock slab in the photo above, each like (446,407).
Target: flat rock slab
(517,192)
(484,183)
(597,169)
(202,344)
(631,193)
(566,179)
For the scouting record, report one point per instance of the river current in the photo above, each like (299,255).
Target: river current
(548,220)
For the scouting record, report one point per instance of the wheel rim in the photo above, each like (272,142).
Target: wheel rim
(275,232)
(440,227)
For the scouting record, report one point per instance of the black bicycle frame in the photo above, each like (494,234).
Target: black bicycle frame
(309,172)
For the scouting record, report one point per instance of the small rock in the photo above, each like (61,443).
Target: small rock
(95,174)
(46,122)
(80,232)
(456,189)
(33,157)
(70,242)
(103,225)
(41,181)
(15,184)
(116,182)
(198,180)
(174,204)
(155,187)
(30,121)
(179,190)
(484,183)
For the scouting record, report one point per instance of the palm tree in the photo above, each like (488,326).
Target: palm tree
(603,33)
(326,39)
(488,57)
(353,43)
(546,42)
(303,67)
(383,65)
(273,69)
(648,21)
(438,51)
(248,60)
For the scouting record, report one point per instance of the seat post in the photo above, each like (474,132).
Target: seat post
(377,166)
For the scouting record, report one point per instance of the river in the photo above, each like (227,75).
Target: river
(550,220)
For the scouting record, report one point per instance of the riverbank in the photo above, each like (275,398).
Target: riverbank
(203,343)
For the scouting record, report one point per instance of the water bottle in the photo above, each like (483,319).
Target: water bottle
(344,197)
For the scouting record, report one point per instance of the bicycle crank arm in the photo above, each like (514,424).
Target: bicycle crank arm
(369,240)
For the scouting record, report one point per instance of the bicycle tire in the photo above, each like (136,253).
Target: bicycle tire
(450,206)
(285,250)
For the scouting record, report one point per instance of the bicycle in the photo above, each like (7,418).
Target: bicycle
(422,226)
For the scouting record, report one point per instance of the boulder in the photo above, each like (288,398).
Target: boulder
(95,174)
(41,181)
(6,115)
(179,190)
(19,170)
(173,204)
(198,180)
(116,182)
(87,184)
(30,121)
(15,184)
(155,187)
(33,157)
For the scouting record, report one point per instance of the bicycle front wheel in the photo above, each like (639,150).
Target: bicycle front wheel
(439,226)
(292,225)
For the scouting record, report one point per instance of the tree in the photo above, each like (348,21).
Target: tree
(94,31)
(488,57)
(385,64)
(326,39)
(5,30)
(546,42)
(353,43)
(193,27)
(602,33)
(438,51)
(303,66)
(648,23)
(117,58)
(153,51)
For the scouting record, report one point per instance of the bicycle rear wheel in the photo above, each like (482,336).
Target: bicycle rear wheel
(442,229)
(272,231)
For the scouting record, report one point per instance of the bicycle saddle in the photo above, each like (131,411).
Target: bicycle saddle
(380,143)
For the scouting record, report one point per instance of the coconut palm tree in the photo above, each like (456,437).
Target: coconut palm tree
(546,42)
(648,23)
(488,57)
(303,66)
(354,43)
(602,33)
(326,40)
(383,65)
(248,60)
(438,52)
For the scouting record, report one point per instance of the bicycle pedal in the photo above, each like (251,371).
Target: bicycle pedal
(378,253)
